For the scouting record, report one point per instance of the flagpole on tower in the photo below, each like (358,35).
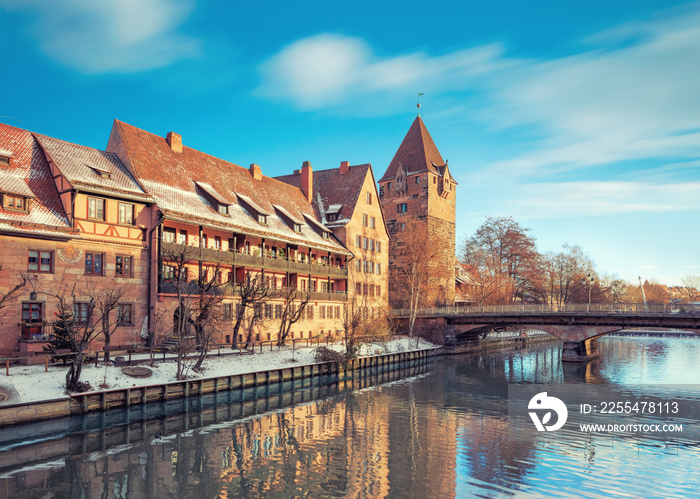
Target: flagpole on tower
(418,105)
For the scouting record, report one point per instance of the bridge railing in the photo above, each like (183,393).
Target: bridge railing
(578,308)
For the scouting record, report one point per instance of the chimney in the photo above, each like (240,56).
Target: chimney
(344,167)
(175,141)
(307,180)
(255,171)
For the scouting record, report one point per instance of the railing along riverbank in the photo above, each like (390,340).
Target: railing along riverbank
(528,308)
(83,403)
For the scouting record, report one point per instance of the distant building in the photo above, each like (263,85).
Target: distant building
(417,187)
(346,200)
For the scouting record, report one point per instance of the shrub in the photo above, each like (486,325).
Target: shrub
(325,354)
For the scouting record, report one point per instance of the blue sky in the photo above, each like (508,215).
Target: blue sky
(579,119)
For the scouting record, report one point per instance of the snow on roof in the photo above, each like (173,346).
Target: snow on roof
(334,208)
(253,204)
(284,212)
(213,193)
(91,168)
(316,223)
(29,175)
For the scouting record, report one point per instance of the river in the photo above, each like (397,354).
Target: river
(430,431)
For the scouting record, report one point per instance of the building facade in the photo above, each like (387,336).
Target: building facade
(76,221)
(417,194)
(346,201)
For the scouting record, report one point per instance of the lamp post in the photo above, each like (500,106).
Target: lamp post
(588,281)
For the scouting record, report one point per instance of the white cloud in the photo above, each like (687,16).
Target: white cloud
(110,35)
(598,198)
(328,70)
(633,98)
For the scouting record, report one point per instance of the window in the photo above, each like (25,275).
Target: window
(262,219)
(297,227)
(325,235)
(126,213)
(371,290)
(4,160)
(125,314)
(358,265)
(205,241)
(228,311)
(123,265)
(378,291)
(168,235)
(217,242)
(168,273)
(96,208)
(80,312)
(378,246)
(371,267)
(358,241)
(364,289)
(15,203)
(310,312)
(365,245)
(32,312)
(337,312)
(379,269)
(40,261)
(364,220)
(369,198)
(434,180)
(389,185)
(278,311)
(371,222)
(371,244)
(93,263)
(268,311)
(401,208)
(223,209)
(332,217)
(258,310)
(322,312)
(417,180)
(183,237)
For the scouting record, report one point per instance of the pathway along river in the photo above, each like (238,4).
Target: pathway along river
(441,431)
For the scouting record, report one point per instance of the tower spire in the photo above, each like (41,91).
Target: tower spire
(418,105)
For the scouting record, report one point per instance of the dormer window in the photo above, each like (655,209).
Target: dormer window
(297,228)
(102,173)
(4,160)
(325,235)
(333,217)
(15,203)
(262,219)
(223,209)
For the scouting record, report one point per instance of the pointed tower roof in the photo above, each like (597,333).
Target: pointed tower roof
(417,153)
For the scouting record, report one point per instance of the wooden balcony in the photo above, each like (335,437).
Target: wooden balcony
(241,259)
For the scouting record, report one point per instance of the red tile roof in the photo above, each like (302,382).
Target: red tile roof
(171,178)
(29,175)
(417,153)
(333,189)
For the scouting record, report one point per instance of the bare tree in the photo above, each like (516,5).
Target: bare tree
(415,276)
(502,250)
(254,293)
(197,309)
(8,297)
(107,302)
(354,318)
(295,303)
(692,284)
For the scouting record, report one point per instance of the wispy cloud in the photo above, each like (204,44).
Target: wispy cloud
(631,94)
(330,70)
(552,200)
(110,35)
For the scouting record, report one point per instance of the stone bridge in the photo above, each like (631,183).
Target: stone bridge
(578,326)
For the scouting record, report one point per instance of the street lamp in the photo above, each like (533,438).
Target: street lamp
(588,281)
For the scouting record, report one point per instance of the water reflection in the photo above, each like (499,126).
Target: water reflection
(441,432)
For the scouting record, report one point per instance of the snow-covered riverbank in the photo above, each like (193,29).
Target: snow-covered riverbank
(31,383)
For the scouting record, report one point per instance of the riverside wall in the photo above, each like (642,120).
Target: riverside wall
(83,403)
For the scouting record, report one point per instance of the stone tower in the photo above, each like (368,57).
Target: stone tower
(417,190)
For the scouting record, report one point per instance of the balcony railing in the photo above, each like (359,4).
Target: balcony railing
(191,288)
(243,259)
(35,331)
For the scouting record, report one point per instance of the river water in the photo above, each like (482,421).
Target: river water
(429,431)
